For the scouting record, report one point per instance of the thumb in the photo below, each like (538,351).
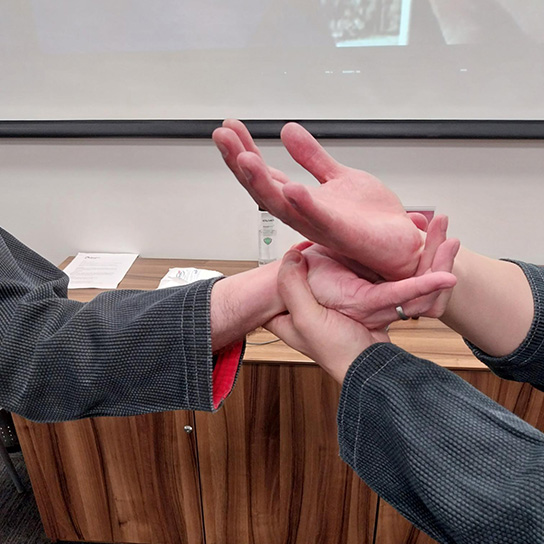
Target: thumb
(295,291)
(419,220)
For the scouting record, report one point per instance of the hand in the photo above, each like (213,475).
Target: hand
(373,304)
(351,211)
(326,336)
(438,255)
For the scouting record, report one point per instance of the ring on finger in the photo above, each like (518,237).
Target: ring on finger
(400,312)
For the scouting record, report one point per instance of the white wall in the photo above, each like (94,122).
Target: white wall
(172,198)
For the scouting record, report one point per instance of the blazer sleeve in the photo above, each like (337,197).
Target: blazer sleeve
(457,465)
(124,353)
(526,363)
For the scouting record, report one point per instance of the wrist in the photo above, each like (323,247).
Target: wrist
(337,368)
(492,304)
(243,302)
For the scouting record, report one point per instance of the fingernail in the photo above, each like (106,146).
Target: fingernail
(301,246)
(223,150)
(293,257)
(247,173)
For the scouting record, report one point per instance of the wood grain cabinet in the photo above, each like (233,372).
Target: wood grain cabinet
(269,464)
(264,469)
(129,480)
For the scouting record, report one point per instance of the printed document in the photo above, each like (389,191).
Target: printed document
(98,270)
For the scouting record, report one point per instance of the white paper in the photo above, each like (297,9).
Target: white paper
(183,276)
(98,270)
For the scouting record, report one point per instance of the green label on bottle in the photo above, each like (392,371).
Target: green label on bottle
(267,241)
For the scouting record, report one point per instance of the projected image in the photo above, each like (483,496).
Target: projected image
(96,26)
(489,21)
(92,26)
(357,23)
(272,59)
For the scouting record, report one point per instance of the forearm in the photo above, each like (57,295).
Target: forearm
(492,304)
(452,461)
(243,302)
(123,353)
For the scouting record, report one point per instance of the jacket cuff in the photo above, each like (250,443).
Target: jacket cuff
(368,365)
(225,372)
(213,376)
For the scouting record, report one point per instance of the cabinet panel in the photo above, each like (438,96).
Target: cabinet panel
(116,479)
(270,469)
(522,399)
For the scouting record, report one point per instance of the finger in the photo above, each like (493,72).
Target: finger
(419,220)
(296,293)
(376,321)
(307,151)
(268,193)
(230,147)
(375,306)
(445,255)
(243,134)
(259,183)
(278,175)
(434,303)
(393,294)
(436,235)
(248,144)
(301,246)
(282,326)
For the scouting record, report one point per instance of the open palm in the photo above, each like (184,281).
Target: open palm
(350,211)
(373,304)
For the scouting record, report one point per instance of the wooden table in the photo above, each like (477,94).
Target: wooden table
(263,470)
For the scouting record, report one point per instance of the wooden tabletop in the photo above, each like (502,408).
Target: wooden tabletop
(426,338)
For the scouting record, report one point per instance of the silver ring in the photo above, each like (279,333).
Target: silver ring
(401,314)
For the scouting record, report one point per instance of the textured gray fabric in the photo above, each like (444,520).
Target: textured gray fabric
(124,353)
(456,464)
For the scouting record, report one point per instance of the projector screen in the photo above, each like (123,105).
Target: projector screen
(377,60)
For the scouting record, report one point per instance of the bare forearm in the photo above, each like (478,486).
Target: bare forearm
(491,305)
(243,302)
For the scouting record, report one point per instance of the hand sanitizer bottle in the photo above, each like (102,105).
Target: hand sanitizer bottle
(267,237)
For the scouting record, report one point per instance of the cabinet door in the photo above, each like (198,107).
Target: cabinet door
(116,479)
(522,399)
(270,469)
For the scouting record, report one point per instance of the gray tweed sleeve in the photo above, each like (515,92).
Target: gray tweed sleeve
(456,464)
(124,353)
(526,363)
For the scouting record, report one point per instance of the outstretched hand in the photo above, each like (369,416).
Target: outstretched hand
(373,304)
(351,211)
(330,338)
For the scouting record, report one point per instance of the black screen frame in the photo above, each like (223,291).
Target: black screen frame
(270,129)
